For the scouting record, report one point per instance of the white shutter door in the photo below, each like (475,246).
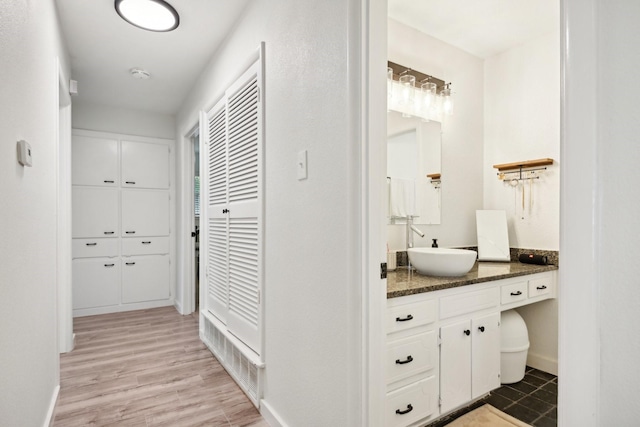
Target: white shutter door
(245,207)
(215,197)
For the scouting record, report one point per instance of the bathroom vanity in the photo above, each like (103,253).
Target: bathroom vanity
(443,335)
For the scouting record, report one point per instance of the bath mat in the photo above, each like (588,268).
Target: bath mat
(486,416)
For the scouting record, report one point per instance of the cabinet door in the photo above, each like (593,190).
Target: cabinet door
(145,278)
(95,161)
(145,165)
(95,282)
(145,213)
(485,354)
(455,365)
(95,212)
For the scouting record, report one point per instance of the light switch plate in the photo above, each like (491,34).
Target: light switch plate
(302,165)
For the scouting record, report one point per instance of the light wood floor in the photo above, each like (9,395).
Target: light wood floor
(147,368)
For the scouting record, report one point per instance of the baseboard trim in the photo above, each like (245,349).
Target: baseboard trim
(542,363)
(48,421)
(272,418)
(123,307)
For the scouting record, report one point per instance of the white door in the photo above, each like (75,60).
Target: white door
(215,239)
(95,212)
(244,112)
(145,213)
(145,165)
(455,365)
(95,161)
(485,354)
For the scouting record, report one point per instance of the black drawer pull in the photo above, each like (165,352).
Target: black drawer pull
(404,319)
(106,181)
(406,411)
(467,332)
(541,288)
(146,243)
(130,232)
(130,263)
(224,211)
(515,294)
(130,182)
(402,362)
(109,232)
(109,265)
(481,328)
(91,244)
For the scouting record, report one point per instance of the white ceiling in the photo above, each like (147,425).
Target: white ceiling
(103,48)
(480,27)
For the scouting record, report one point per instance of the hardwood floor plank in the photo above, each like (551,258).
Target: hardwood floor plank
(147,368)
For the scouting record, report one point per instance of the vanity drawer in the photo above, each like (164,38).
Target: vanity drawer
(541,286)
(513,293)
(468,302)
(91,248)
(414,402)
(145,246)
(407,316)
(410,356)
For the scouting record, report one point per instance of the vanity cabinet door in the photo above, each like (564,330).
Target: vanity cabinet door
(455,365)
(485,354)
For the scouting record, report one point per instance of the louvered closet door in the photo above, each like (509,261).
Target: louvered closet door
(244,111)
(216,239)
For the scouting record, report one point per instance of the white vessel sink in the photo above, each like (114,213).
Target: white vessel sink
(442,261)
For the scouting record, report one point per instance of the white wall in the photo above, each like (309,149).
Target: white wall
(29,43)
(462,146)
(106,118)
(522,122)
(617,226)
(313,341)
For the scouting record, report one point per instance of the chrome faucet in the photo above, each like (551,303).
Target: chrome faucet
(410,230)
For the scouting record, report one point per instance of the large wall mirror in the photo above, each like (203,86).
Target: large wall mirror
(413,153)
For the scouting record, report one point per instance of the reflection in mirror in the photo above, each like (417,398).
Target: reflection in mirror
(413,152)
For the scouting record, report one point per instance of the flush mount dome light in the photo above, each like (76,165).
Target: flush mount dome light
(152,15)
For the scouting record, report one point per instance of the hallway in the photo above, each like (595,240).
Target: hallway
(147,368)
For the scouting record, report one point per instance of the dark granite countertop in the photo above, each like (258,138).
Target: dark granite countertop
(404,282)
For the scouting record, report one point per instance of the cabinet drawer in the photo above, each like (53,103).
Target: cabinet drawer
(407,316)
(412,403)
(513,293)
(91,248)
(410,356)
(468,302)
(145,246)
(541,286)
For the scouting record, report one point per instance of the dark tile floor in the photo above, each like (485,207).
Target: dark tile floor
(534,400)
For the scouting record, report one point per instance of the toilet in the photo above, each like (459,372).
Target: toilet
(513,347)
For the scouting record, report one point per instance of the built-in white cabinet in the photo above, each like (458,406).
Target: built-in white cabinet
(121,223)
(95,212)
(469,359)
(145,213)
(96,282)
(145,278)
(443,347)
(145,165)
(94,161)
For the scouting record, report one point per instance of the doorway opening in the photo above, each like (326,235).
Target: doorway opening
(195,144)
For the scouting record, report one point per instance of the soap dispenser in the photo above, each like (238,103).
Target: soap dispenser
(435,243)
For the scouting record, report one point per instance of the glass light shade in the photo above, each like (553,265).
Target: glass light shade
(152,15)
(447,101)
(389,88)
(407,94)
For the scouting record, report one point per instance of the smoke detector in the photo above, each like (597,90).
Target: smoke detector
(139,73)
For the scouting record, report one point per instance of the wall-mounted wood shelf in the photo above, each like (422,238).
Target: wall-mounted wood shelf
(433,175)
(523,165)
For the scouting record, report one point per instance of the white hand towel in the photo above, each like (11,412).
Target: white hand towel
(402,197)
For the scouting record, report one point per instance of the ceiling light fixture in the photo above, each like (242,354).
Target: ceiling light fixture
(139,73)
(152,15)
